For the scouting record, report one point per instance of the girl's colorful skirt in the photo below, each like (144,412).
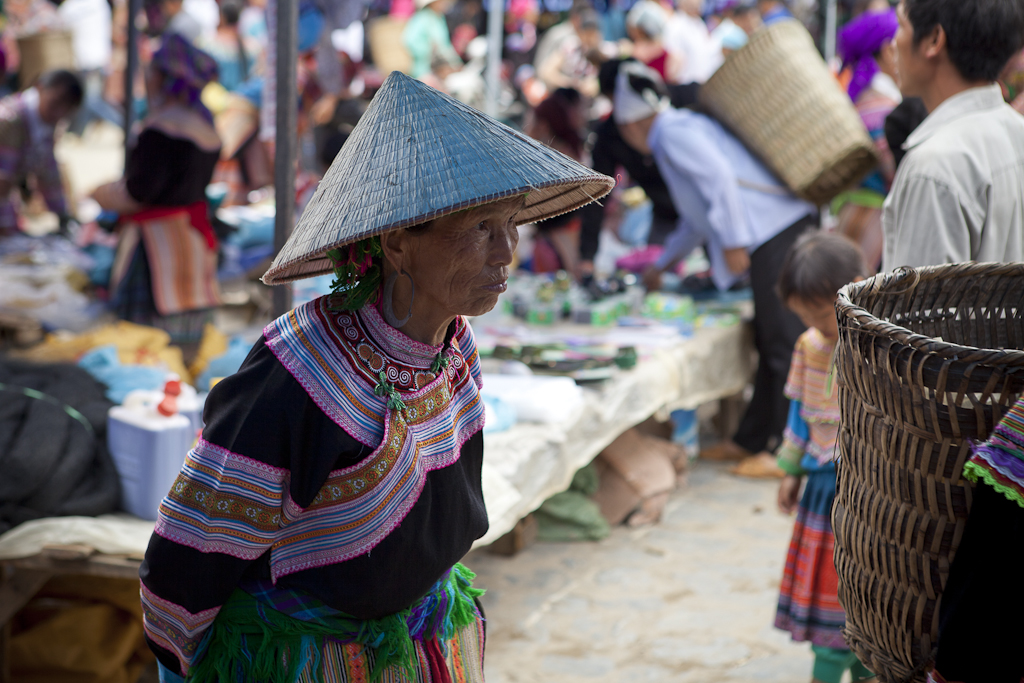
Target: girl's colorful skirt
(808,598)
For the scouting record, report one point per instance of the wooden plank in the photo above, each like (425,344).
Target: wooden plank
(70,551)
(114,566)
(18,587)
(5,660)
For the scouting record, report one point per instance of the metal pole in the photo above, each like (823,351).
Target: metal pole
(495,35)
(286,137)
(830,31)
(131,66)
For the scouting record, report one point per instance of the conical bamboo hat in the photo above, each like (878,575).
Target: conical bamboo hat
(418,154)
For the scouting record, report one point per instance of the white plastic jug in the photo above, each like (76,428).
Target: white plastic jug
(148,447)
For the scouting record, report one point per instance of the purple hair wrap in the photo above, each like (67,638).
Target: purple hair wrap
(859,41)
(186,70)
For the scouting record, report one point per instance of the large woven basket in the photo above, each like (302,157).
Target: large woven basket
(778,96)
(42,52)
(926,365)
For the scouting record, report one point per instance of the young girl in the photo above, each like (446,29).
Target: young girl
(814,270)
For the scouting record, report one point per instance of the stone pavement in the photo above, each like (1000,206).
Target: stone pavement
(690,599)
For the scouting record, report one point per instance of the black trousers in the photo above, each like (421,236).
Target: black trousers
(776,330)
(980,628)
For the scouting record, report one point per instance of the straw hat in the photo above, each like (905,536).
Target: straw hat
(417,154)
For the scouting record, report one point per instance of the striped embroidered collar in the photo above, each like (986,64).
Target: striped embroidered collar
(326,350)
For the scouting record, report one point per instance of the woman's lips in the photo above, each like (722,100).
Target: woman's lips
(497,287)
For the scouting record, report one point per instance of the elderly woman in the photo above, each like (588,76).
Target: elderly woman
(164,272)
(314,531)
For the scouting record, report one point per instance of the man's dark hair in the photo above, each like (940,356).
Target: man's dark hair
(231,11)
(981,35)
(66,82)
(607,75)
(818,265)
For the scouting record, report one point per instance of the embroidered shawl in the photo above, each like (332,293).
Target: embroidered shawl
(227,503)
(999,462)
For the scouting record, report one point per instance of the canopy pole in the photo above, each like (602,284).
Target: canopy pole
(830,31)
(495,31)
(131,66)
(286,142)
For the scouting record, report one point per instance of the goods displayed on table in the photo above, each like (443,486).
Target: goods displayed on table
(521,364)
(156,413)
(541,300)
(135,344)
(571,332)
(251,242)
(45,279)
(550,400)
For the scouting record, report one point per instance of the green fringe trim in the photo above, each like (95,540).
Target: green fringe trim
(974,471)
(251,641)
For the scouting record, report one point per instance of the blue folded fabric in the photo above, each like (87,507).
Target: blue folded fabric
(501,415)
(225,364)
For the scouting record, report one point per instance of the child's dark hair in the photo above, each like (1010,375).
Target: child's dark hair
(818,265)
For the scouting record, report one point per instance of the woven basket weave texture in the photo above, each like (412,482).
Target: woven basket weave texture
(417,154)
(778,96)
(927,363)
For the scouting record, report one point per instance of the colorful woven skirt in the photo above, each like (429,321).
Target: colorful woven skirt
(352,663)
(808,601)
(272,635)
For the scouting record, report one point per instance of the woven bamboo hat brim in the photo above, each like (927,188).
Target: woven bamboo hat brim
(417,154)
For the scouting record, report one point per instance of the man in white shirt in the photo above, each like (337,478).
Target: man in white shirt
(90,24)
(89,21)
(731,203)
(959,192)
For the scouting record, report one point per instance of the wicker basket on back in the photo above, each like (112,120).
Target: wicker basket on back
(778,96)
(926,366)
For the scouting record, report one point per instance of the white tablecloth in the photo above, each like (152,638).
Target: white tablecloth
(522,466)
(529,463)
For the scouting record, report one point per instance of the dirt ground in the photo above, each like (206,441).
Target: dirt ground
(690,599)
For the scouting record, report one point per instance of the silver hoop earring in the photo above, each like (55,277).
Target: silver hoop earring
(388,306)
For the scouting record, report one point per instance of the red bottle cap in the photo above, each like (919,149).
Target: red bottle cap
(172,387)
(168,406)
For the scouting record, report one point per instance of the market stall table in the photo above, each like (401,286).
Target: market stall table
(529,463)
(523,466)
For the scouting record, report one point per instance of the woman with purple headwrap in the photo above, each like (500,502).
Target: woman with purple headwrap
(865,45)
(164,273)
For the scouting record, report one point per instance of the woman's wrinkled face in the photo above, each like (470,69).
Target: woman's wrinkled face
(460,264)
